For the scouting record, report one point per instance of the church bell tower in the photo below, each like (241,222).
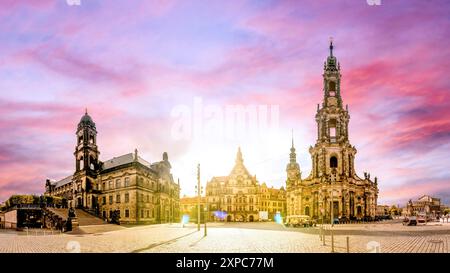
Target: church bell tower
(332,155)
(87,163)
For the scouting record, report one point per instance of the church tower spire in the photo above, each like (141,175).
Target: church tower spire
(332,126)
(239,159)
(293,155)
(87,162)
(293,168)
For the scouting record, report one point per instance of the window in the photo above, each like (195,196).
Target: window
(142,197)
(104,200)
(110,185)
(81,163)
(148,214)
(127,197)
(332,86)
(142,213)
(127,213)
(333,162)
(117,183)
(148,198)
(332,130)
(110,199)
(127,181)
(103,186)
(118,198)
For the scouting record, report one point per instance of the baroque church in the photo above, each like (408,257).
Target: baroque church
(332,189)
(140,191)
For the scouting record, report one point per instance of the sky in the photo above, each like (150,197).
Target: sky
(165,76)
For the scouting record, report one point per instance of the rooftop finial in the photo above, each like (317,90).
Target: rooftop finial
(239,158)
(331,46)
(292,138)
(85,111)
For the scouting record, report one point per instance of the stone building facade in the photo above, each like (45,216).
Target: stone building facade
(141,191)
(332,189)
(189,207)
(272,200)
(425,206)
(239,196)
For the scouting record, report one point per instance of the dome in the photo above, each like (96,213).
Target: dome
(86,120)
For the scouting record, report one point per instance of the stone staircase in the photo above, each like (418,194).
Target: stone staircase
(82,218)
(86,219)
(84,223)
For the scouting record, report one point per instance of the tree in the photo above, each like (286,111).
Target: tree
(393,210)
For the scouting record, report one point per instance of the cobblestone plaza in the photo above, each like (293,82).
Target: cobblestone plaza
(385,237)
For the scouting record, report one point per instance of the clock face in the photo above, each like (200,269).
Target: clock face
(332,101)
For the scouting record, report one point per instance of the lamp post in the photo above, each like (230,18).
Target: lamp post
(198,189)
(206,215)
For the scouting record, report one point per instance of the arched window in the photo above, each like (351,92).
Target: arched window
(81,163)
(333,162)
(307,211)
(332,128)
(332,86)
(91,163)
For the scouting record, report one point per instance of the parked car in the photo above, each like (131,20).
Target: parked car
(421,220)
(299,221)
(410,221)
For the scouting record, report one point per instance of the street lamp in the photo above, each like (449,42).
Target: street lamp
(199,190)
(206,215)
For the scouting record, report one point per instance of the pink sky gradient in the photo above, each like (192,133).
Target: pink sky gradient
(132,62)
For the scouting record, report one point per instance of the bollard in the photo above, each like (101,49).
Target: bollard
(332,241)
(323,240)
(320,234)
(348,244)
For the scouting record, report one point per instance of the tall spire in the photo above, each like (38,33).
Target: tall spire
(239,159)
(292,147)
(293,155)
(331,46)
